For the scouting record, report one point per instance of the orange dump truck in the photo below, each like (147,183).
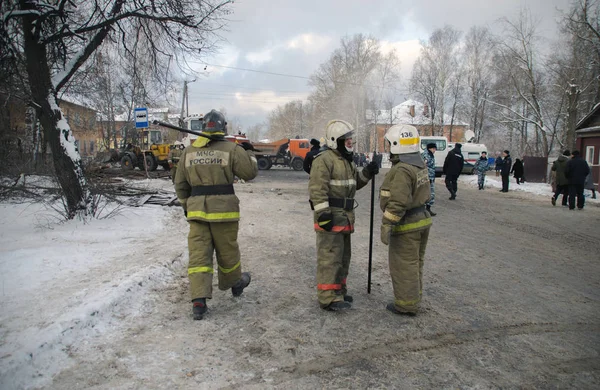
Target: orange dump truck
(289,152)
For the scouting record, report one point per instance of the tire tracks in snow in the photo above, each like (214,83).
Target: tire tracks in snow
(429,342)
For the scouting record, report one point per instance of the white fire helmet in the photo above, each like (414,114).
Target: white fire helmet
(403,139)
(337,129)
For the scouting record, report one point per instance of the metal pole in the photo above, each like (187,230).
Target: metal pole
(371,232)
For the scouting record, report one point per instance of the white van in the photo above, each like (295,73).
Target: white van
(470,151)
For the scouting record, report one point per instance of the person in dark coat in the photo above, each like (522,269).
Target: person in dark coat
(498,163)
(314,150)
(518,170)
(562,183)
(589,184)
(505,172)
(576,171)
(453,165)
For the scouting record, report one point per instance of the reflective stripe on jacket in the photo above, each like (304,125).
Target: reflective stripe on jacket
(332,176)
(405,188)
(217,163)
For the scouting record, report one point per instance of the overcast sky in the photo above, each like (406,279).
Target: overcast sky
(294,37)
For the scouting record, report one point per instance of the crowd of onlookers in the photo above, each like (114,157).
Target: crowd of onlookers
(572,175)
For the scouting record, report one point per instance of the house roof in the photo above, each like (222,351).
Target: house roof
(593,129)
(401,114)
(589,118)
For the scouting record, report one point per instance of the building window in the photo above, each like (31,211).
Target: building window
(589,155)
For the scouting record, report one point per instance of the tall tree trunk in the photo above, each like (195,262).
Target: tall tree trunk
(573,94)
(67,162)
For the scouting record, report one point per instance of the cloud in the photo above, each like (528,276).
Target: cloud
(259,57)
(310,43)
(407,51)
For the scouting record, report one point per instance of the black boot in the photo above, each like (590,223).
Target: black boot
(348,298)
(452,195)
(199,308)
(428,207)
(336,306)
(241,284)
(391,307)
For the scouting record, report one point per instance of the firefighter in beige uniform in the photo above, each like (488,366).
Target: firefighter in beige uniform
(406,221)
(204,186)
(332,185)
(174,155)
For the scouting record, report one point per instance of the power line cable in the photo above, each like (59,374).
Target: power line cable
(288,75)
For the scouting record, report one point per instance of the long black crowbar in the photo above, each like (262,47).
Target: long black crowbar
(376,160)
(198,133)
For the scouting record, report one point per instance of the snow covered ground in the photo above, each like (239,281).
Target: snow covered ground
(65,281)
(69,284)
(527,188)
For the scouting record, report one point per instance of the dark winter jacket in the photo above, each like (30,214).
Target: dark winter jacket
(559,167)
(498,163)
(517,169)
(309,158)
(454,162)
(506,166)
(589,182)
(576,170)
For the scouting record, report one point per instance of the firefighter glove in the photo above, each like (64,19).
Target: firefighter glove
(386,230)
(372,168)
(325,221)
(247,146)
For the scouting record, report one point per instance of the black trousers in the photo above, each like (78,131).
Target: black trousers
(564,190)
(576,190)
(452,183)
(505,183)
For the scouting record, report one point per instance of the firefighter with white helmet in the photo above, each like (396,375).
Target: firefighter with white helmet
(333,182)
(204,186)
(175,152)
(406,221)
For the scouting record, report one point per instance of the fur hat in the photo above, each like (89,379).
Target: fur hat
(315,142)
(566,152)
(458,145)
(507,152)
(431,145)
(575,153)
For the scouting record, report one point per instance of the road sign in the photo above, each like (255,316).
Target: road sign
(141,118)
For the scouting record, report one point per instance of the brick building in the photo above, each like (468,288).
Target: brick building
(17,118)
(416,114)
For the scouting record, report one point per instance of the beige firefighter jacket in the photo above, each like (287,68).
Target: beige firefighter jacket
(213,168)
(332,176)
(403,195)
(174,155)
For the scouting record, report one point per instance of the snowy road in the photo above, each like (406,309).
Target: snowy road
(511,299)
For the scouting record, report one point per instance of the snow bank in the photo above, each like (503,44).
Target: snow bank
(65,282)
(539,189)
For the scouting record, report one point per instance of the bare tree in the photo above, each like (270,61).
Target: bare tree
(576,64)
(519,63)
(55,39)
(341,89)
(478,53)
(434,71)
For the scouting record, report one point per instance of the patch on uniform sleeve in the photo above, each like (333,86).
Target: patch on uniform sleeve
(207,157)
(422,177)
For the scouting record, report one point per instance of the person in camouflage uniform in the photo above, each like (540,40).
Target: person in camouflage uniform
(429,158)
(406,222)
(481,167)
